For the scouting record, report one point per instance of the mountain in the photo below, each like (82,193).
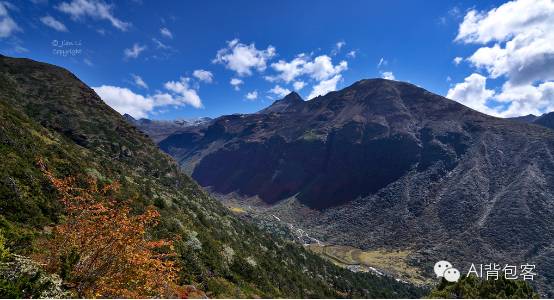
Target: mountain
(158,130)
(530,118)
(49,117)
(287,104)
(387,165)
(546,120)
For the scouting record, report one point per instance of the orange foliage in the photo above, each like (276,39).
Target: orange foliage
(101,249)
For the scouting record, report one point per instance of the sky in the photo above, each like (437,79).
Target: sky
(185,59)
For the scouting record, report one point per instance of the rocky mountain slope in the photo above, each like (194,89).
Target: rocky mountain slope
(546,120)
(47,113)
(386,164)
(530,118)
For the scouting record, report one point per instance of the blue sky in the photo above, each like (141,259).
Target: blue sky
(141,56)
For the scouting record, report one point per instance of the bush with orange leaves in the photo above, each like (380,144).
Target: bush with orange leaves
(100,249)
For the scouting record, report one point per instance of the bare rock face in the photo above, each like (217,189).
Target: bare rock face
(389,164)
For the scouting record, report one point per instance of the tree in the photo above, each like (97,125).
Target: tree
(101,249)
(471,287)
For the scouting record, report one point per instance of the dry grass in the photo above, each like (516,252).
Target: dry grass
(237,210)
(393,262)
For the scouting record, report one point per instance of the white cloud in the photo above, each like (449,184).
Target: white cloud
(351,54)
(243,58)
(252,95)
(20,49)
(527,99)
(518,100)
(526,58)
(516,40)
(382,62)
(53,23)
(289,70)
(298,85)
(457,60)
(160,45)
(7,25)
(325,86)
(125,101)
(182,94)
(203,75)
(139,81)
(454,12)
(279,91)
(320,68)
(387,75)
(522,32)
(95,9)
(506,21)
(338,47)
(165,32)
(235,82)
(473,93)
(135,51)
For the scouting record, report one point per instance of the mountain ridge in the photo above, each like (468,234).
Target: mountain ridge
(288,103)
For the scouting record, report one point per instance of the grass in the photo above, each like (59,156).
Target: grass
(391,262)
(237,210)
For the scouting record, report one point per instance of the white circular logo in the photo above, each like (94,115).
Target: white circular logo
(452,274)
(440,267)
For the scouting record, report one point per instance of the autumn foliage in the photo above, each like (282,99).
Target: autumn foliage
(101,248)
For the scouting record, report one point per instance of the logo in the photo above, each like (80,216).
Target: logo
(492,271)
(445,269)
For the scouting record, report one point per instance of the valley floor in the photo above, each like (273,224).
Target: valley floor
(382,261)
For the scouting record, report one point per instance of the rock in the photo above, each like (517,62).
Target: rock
(23,268)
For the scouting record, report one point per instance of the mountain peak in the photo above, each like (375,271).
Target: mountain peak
(288,103)
(292,97)
(129,118)
(546,120)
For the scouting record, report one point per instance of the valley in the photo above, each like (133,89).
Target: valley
(276,149)
(378,261)
(386,166)
(381,262)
